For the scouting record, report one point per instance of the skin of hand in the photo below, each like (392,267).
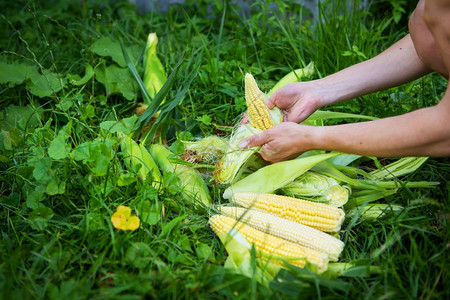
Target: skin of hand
(425,132)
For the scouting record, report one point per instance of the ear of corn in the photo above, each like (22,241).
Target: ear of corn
(317,187)
(320,216)
(270,247)
(135,154)
(258,112)
(229,166)
(403,166)
(292,231)
(191,184)
(154,73)
(205,150)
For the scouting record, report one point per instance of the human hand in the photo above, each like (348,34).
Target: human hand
(283,141)
(297,100)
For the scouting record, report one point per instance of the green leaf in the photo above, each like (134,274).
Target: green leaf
(107,47)
(55,187)
(203,251)
(139,255)
(124,126)
(42,169)
(150,213)
(11,115)
(15,73)
(116,81)
(94,221)
(77,80)
(170,227)
(44,85)
(34,197)
(59,149)
(39,217)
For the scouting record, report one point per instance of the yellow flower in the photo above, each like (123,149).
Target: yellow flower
(122,219)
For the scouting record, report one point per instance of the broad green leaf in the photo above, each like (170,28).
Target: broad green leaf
(42,169)
(94,221)
(12,114)
(117,81)
(124,126)
(35,196)
(55,187)
(59,149)
(44,85)
(150,213)
(39,217)
(77,80)
(15,73)
(107,47)
(139,255)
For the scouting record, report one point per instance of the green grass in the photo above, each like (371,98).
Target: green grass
(56,235)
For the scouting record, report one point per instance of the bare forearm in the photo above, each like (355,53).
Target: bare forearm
(425,132)
(396,65)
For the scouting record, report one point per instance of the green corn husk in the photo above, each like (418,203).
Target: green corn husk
(275,176)
(191,184)
(373,212)
(135,154)
(235,159)
(317,187)
(154,73)
(403,166)
(207,149)
(293,76)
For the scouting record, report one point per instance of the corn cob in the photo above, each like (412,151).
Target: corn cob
(258,112)
(269,246)
(294,232)
(321,216)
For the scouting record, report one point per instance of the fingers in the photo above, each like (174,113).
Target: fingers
(244,119)
(254,141)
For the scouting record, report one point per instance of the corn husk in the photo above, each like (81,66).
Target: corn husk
(190,184)
(317,187)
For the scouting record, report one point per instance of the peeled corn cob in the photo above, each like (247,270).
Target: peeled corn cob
(258,112)
(321,216)
(294,232)
(269,246)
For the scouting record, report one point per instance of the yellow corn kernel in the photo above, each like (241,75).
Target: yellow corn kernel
(292,231)
(271,247)
(258,112)
(320,216)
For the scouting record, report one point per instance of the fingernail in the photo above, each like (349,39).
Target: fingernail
(243,144)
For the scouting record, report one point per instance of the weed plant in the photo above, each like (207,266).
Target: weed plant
(56,200)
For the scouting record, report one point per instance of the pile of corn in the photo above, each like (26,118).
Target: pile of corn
(284,229)
(281,229)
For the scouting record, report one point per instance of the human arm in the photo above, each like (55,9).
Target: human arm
(396,65)
(424,132)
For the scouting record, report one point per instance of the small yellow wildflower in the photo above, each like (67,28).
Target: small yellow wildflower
(123,220)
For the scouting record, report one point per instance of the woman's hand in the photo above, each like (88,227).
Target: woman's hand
(298,100)
(284,141)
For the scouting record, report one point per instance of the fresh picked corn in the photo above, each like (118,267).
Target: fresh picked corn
(258,112)
(320,216)
(292,231)
(268,246)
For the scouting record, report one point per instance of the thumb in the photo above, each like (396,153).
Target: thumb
(271,102)
(253,141)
